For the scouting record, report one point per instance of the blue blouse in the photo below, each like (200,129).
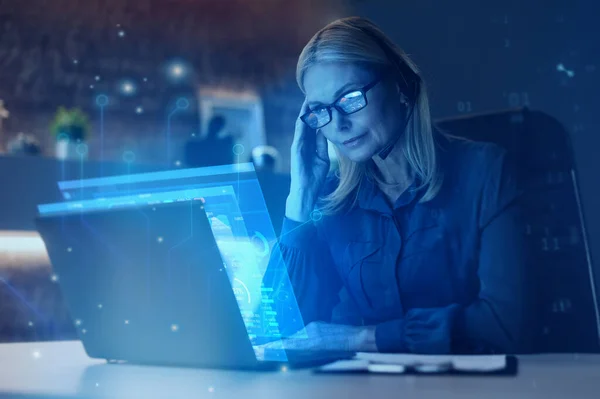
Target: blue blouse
(443,276)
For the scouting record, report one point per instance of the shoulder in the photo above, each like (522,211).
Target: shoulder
(473,162)
(462,154)
(483,171)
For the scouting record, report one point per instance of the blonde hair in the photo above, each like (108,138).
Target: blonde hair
(358,40)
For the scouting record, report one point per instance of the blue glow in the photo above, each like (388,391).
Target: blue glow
(157,176)
(177,70)
(316,215)
(238,149)
(127,87)
(102,100)
(561,68)
(128,156)
(129,200)
(243,233)
(81,149)
(183,103)
(116,192)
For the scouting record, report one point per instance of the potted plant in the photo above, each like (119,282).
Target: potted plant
(70,128)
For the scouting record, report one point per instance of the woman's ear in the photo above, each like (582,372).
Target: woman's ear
(404,99)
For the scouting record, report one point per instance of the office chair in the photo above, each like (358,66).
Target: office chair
(559,256)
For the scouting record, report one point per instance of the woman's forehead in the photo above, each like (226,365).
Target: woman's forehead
(324,80)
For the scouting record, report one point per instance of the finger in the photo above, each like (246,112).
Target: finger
(291,343)
(322,148)
(303,108)
(304,135)
(299,131)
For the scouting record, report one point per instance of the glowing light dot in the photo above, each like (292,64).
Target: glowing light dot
(91,86)
(99,306)
(127,87)
(121,33)
(54,278)
(97,384)
(193,134)
(77,322)
(75,62)
(36,354)
(177,163)
(69,249)
(30,324)
(211,389)
(284,369)
(139,110)
(145,79)
(174,327)
(97,78)
(159,239)
(83,331)
(126,321)
(177,70)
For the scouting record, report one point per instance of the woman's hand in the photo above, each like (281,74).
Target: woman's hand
(309,167)
(320,336)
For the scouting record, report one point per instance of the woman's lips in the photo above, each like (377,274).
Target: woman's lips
(354,141)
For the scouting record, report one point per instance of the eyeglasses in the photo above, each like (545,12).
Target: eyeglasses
(348,103)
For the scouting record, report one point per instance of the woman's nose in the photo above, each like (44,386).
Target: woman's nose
(341,121)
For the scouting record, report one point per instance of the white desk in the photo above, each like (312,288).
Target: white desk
(63,369)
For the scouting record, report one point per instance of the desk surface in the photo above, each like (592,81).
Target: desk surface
(62,369)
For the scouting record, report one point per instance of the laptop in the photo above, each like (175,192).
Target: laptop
(174,268)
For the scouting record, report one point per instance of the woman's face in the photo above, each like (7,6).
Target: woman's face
(373,127)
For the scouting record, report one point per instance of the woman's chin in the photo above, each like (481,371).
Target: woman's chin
(360,156)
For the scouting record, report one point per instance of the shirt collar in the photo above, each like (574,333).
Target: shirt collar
(370,197)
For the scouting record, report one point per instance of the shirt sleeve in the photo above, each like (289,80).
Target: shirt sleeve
(498,320)
(309,265)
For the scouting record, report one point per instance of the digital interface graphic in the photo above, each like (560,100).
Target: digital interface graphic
(242,231)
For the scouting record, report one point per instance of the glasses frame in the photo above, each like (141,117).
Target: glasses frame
(335,105)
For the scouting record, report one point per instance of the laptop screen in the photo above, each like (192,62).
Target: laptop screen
(240,223)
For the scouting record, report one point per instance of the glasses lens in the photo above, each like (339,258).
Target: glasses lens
(352,102)
(317,118)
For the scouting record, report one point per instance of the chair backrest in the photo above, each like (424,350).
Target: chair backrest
(559,254)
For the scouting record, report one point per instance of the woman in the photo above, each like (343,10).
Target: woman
(414,245)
